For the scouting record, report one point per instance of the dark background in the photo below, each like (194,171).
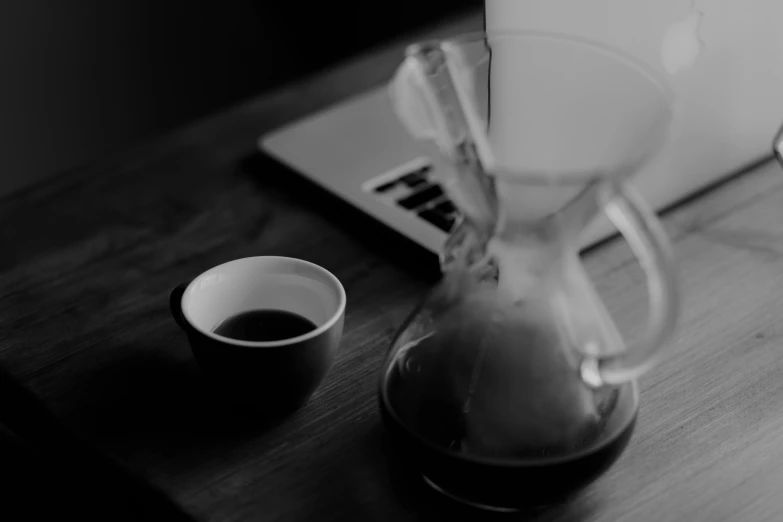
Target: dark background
(88,76)
(152,65)
(323,33)
(84,78)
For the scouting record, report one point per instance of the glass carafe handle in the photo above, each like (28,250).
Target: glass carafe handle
(649,242)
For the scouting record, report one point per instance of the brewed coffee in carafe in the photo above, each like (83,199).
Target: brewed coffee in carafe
(510,384)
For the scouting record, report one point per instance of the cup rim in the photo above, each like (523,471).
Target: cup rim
(328,324)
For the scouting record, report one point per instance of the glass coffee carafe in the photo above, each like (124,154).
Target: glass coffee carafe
(510,386)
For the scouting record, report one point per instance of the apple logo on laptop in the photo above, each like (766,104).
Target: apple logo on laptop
(682,43)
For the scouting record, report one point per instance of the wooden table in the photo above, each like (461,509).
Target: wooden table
(89,258)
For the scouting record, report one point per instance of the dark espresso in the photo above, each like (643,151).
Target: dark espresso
(264,326)
(425,435)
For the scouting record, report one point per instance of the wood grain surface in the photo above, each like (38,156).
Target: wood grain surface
(88,261)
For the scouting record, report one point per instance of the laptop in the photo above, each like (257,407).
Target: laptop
(724,59)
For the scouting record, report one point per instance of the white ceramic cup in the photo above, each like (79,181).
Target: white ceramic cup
(276,375)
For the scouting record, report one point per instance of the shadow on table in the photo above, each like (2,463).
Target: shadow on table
(149,405)
(55,474)
(158,404)
(371,483)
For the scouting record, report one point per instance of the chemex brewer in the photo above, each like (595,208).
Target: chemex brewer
(509,385)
